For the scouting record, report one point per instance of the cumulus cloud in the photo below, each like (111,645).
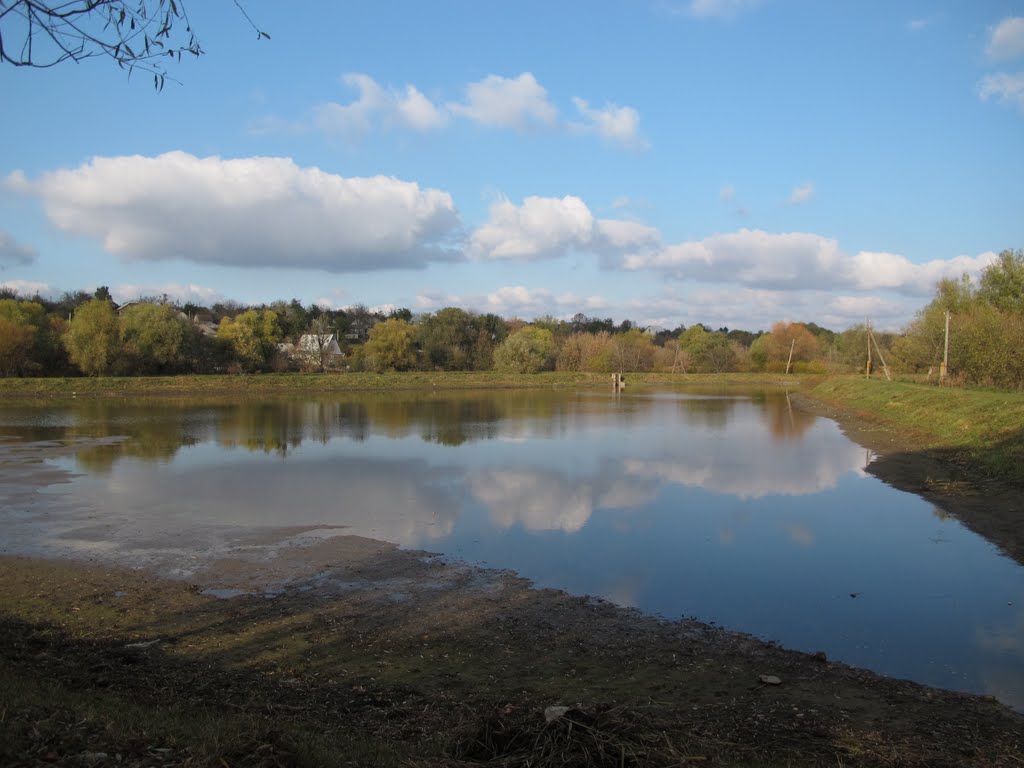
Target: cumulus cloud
(549,227)
(503,102)
(183,294)
(620,125)
(13,253)
(26,287)
(248,212)
(1006,39)
(749,257)
(798,260)
(515,301)
(801,193)
(859,307)
(408,108)
(1004,87)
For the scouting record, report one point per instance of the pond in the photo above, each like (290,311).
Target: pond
(732,507)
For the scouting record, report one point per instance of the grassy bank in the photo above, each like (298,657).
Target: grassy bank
(296,383)
(981,429)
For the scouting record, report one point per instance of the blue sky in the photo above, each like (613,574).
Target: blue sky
(731,162)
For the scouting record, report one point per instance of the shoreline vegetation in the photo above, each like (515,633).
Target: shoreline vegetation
(107,666)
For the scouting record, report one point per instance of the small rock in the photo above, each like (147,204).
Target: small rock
(770,680)
(820,656)
(554,712)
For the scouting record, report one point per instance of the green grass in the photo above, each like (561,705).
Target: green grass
(295,383)
(982,428)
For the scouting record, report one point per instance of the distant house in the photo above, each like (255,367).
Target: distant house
(320,350)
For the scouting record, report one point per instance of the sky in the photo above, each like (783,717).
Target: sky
(729,162)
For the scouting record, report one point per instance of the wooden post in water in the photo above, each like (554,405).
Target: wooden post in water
(618,382)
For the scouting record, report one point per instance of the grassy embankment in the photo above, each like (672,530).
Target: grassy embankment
(982,430)
(299,383)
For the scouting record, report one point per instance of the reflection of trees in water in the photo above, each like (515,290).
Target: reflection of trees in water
(156,429)
(152,432)
(710,412)
(785,422)
(783,419)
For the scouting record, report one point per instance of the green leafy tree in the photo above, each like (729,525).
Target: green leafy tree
(528,350)
(252,336)
(155,339)
(1002,283)
(447,339)
(390,347)
(93,339)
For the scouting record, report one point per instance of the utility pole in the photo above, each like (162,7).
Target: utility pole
(867,328)
(945,353)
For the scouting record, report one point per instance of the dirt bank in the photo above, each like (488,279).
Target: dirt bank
(991,507)
(286,647)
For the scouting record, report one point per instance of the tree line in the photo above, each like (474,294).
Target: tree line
(88,334)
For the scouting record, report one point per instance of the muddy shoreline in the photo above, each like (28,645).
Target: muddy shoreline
(348,646)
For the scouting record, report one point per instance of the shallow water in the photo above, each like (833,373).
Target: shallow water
(734,508)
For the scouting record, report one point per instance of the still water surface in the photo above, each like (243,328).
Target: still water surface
(734,508)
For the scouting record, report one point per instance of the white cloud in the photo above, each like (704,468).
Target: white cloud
(542,227)
(1005,87)
(858,307)
(13,253)
(249,212)
(417,111)
(410,109)
(802,193)
(26,287)
(613,123)
(515,301)
(1007,39)
(549,227)
(727,193)
(183,294)
(749,257)
(798,260)
(916,25)
(507,102)
(725,9)
(871,271)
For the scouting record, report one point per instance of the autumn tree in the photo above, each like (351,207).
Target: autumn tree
(252,337)
(528,350)
(93,339)
(154,338)
(390,347)
(786,341)
(632,351)
(15,346)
